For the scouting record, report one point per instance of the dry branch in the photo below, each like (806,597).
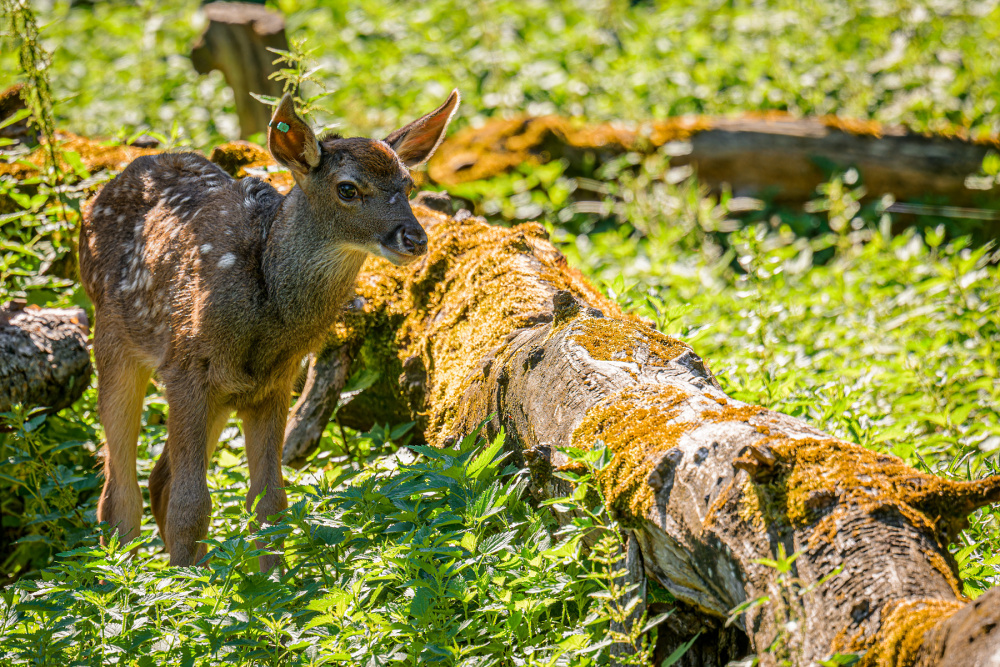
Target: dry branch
(44,359)
(493,322)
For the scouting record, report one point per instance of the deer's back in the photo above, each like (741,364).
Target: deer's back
(170,254)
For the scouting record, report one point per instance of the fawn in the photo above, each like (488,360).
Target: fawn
(222,287)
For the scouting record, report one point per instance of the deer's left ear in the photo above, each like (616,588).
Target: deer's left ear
(416,142)
(291,140)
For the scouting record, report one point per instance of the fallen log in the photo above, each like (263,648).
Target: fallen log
(773,155)
(44,360)
(493,324)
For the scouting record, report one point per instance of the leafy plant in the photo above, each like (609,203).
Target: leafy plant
(427,559)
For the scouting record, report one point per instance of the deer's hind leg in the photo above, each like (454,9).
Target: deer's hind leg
(193,427)
(122,381)
(160,478)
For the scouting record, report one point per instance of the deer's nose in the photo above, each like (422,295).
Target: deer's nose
(414,240)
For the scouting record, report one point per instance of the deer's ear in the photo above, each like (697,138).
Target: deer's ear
(290,139)
(416,142)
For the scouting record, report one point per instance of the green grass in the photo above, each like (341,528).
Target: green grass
(931,65)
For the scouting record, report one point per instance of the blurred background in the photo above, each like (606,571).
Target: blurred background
(930,65)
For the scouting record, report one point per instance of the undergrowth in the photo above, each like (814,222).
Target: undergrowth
(927,64)
(427,559)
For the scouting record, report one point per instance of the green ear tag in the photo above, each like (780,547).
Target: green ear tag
(283,127)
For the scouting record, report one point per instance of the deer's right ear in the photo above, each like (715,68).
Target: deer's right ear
(290,139)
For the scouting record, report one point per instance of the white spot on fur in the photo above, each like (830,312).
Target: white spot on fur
(121,218)
(207,248)
(227,260)
(392,199)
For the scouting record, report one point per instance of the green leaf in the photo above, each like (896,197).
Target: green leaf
(679,652)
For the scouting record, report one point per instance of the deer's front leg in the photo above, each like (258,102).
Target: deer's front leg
(264,428)
(191,426)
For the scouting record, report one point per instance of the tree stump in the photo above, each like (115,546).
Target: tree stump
(493,325)
(44,360)
(235,43)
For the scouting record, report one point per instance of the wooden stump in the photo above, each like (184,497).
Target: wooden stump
(235,43)
(44,360)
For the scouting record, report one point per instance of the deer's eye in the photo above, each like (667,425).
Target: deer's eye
(347,191)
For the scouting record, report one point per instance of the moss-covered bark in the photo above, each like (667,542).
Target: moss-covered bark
(494,325)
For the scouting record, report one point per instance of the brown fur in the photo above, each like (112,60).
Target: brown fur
(222,287)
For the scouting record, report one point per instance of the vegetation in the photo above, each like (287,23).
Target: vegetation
(881,335)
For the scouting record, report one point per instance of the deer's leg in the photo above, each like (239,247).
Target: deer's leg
(121,388)
(191,424)
(159,479)
(159,492)
(264,428)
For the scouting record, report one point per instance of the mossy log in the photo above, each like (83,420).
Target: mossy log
(774,155)
(44,360)
(493,324)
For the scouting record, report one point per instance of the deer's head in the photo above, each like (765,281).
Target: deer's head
(361,186)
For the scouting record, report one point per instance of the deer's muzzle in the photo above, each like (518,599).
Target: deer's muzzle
(404,244)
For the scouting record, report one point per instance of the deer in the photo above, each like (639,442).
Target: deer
(222,287)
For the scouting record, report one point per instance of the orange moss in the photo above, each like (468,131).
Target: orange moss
(856,126)
(503,144)
(95,155)
(901,634)
(618,340)
(478,283)
(243,158)
(637,425)
(858,475)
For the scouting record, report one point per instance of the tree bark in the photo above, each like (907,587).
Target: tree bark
(493,325)
(235,43)
(44,360)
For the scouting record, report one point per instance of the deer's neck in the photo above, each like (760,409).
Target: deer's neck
(308,274)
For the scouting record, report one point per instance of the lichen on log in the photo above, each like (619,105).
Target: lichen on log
(494,325)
